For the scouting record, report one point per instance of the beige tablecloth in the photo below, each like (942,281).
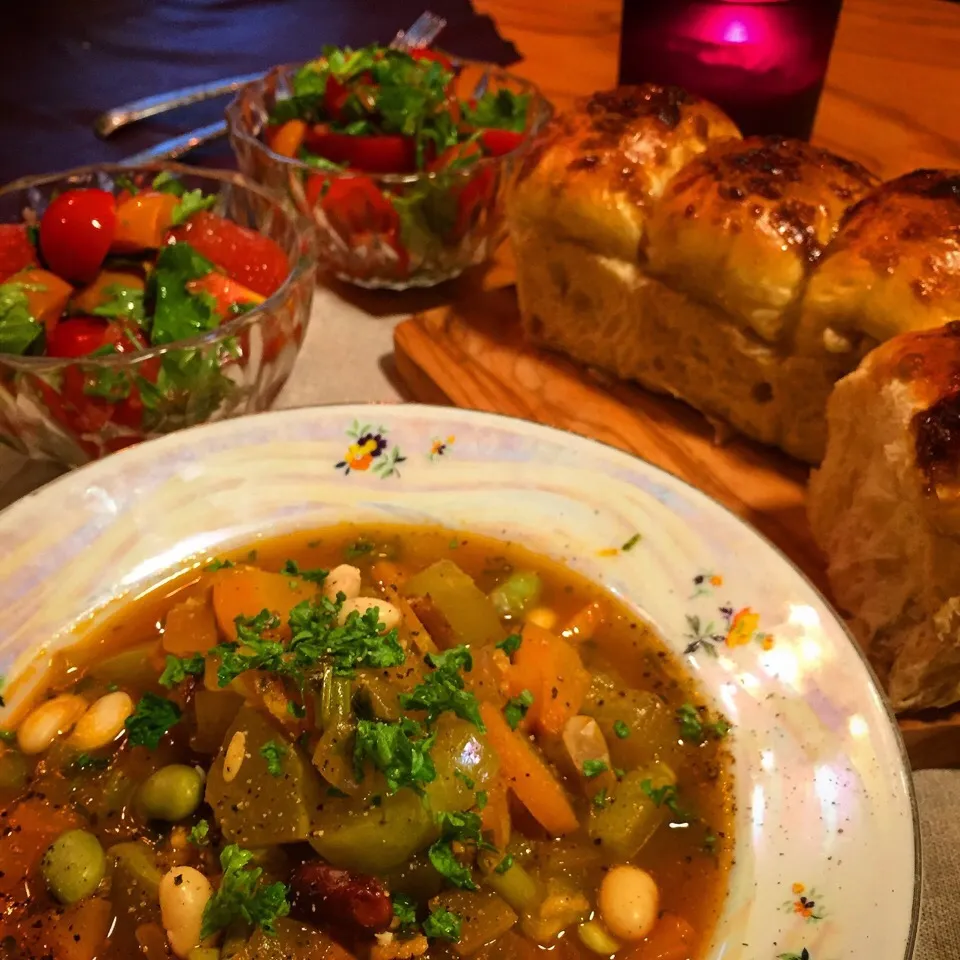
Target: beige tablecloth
(346,357)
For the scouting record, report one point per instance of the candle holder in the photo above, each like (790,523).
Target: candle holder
(764,62)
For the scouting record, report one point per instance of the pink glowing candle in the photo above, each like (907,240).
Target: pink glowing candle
(762,60)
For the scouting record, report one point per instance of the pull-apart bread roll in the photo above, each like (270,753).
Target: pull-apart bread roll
(885,508)
(654,243)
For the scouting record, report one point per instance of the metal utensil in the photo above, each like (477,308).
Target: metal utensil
(422,33)
(111,121)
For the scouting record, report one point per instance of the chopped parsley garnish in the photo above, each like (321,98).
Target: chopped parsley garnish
(593,768)
(621,729)
(600,799)
(404,912)
(505,864)
(123,182)
(274,753)
(292,569)
(84,761)
(502,109)
(167,182)
(442,924)
(296,709)
(191,202)
(710,842)
(400,751)
(241,897)
(442,690)
(695,729)
(106,382)
(125,303)
(469,781)
(199,834)
(18,328)
(481,800)
(179,668)
(179,314)
(462,828)
(511,645)
(516,708)
(631,543)
(359,548)
(666,796)
(151,719)
(218,564)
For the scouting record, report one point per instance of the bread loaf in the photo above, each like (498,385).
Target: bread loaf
(744,276)
(885,508)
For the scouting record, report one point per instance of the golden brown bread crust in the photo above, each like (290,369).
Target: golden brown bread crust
(743,222)
(593,173)
(894,265)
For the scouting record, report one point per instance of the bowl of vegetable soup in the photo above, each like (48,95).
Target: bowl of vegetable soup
(395,682)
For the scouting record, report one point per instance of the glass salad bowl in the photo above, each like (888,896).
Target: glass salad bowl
(391,230)
(73,409)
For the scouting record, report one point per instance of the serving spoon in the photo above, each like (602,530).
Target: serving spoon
(422,33)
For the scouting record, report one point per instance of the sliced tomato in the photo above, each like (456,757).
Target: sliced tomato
(386,154)
(313,189)
(250,258)
(498,142)
(16,250)
(142,221)
(81,336)
(357,211)
(46,294)
(76,232)
(287,138)
(435,55)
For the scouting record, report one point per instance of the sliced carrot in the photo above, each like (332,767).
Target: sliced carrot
(585,622)
(26,830)
(97,293)
(79,932)
(190,627)
(246,591)
(226,292)
(288,138)
(142,222)
(551,669)
(527,775)
(488,680)
(46,294)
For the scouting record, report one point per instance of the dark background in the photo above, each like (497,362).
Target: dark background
(62,62)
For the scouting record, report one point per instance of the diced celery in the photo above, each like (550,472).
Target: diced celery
(520,591)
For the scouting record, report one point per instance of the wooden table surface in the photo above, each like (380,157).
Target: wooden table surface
(892,97)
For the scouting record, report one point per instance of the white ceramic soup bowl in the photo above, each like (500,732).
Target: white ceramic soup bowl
(827,862)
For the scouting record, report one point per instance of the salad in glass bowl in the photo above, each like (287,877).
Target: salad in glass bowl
(400,158)
(136,301)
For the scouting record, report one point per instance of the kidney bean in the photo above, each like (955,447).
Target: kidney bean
(320,893)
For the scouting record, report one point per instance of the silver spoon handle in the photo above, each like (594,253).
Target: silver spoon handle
(178,146)
(111,121)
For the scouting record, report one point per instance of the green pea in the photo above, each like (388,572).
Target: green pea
(171,793)
(13,769)
(73,866)
(518,592)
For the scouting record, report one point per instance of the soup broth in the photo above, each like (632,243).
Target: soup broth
(249,761)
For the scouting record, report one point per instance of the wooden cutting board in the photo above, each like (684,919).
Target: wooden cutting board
(469,354)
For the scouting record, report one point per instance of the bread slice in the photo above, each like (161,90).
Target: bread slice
(884,508)
(608,313)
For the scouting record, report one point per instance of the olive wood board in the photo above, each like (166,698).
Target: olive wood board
(470,354)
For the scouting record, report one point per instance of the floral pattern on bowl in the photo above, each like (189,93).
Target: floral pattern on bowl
(825,812)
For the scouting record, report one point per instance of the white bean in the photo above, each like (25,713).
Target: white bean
(184,893)
(234,756)
(390,616)
(103,720)
(629,902)
(50,720)
(542,617)
(344,579)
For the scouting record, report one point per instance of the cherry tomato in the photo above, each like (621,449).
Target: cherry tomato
(16,250)
(81,336)
(435,55)
(386,154)
(313,189)
(498,142)
(76,232)
(363,216)
(250,258)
